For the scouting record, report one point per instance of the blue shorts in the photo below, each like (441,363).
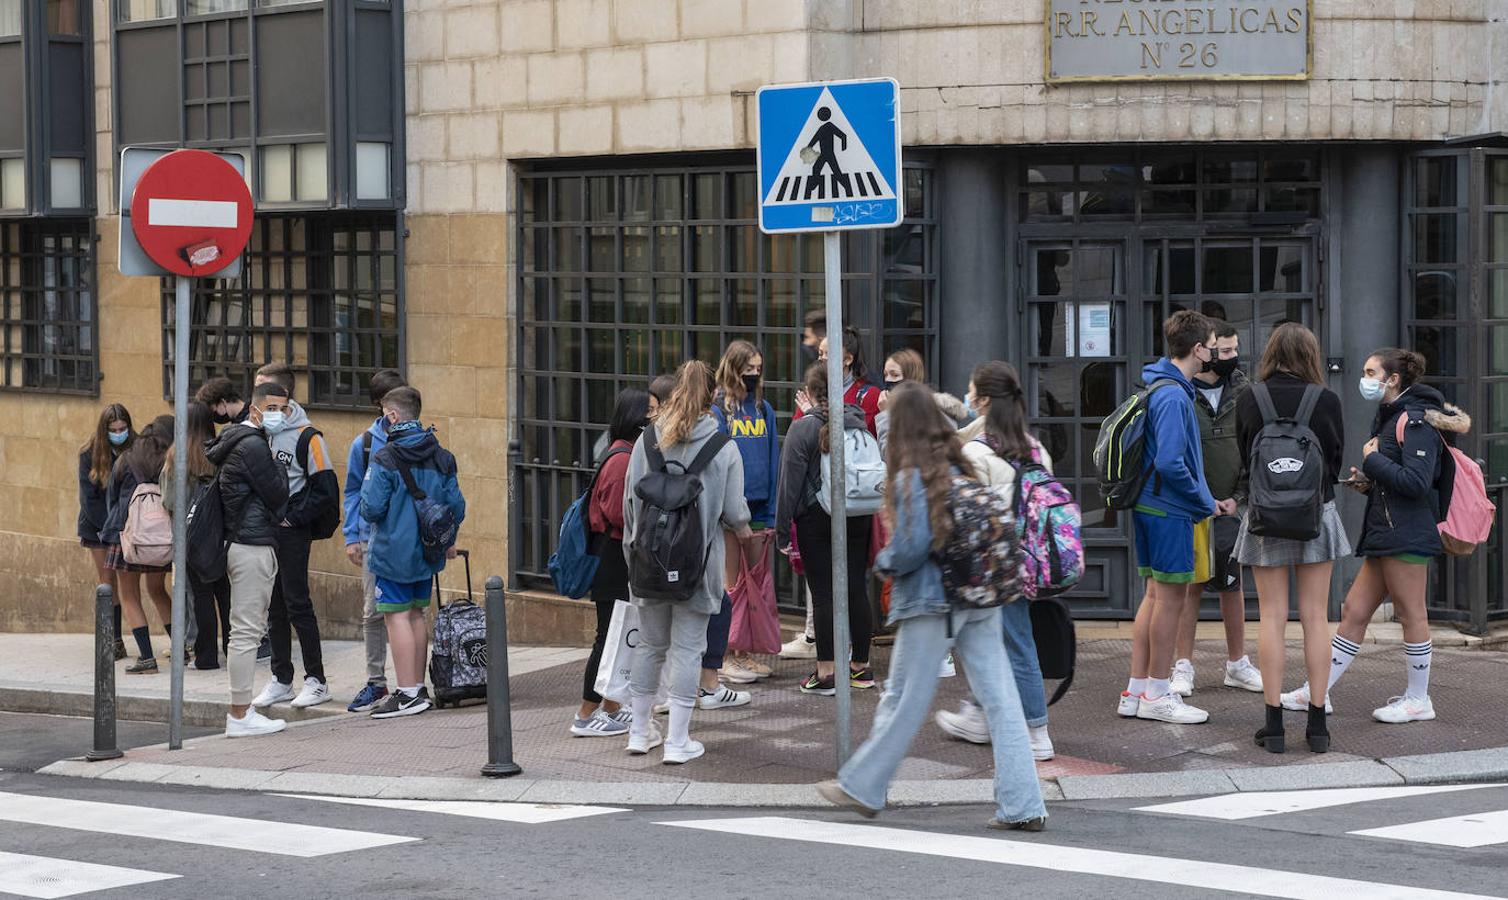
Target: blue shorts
(1165,547)
(398,596)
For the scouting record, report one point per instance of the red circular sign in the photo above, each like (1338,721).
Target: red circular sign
(191,212)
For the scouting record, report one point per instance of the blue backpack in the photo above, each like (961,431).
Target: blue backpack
(437,521)
(573,565)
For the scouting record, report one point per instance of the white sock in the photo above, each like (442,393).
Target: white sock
(1234,663)
(680,724)
(409,691)
(643,710)
(1342,652)
(1136,686)
(1157,688)
(1420,657)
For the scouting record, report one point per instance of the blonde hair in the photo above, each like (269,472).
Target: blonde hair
(910,363)
(689,401)
(730,374)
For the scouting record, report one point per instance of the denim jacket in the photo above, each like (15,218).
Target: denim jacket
(918,587)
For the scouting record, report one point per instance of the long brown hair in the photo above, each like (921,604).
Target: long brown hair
(1292,350)
(922,438)
(730,375)
(150,449)
(101,455)
(816,392)
(689,401)
(1005,420)
(201,430)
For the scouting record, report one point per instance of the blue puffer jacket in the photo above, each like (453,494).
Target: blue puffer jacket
(1177,484)
(394,551)
(918,587)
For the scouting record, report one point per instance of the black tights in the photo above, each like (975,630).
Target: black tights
(814,536)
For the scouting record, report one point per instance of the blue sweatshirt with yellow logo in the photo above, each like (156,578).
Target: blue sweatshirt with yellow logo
(751,425)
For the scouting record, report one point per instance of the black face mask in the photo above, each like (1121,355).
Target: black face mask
(890,385)
(1224,368)
(808,356)
(751,384)
(220,418)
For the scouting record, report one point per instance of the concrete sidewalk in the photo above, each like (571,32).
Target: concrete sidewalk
(770,753)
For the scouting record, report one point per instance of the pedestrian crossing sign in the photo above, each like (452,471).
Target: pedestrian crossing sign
(829,156)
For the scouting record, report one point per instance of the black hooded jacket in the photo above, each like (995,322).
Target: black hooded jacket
(1410,482)
(253,485)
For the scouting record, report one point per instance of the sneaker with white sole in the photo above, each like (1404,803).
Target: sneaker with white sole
(734,672)
(1182,680)
(759,669)
(1405,709)
(1299,700)
(623,715)
(968,724)
(684,753)
(661,709)
(1171,709)
(314,693)
(799,647)
(1129,705)
(1242,674)
(598,724)
(1041,744)
(253,724)
(640,744)
(722,698)
(274,692)
(399,704)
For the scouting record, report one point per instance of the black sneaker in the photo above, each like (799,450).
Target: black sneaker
(264,650)
(862,679)
(827,687)
(400,704)
(120,650)
(144,666)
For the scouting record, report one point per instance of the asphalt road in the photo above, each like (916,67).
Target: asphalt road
(1237,845)
(29,742)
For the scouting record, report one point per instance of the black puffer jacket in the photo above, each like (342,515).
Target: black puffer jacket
(253,485)
(1410,483)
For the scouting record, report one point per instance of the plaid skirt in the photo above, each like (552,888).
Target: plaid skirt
(115,559)
(1332,544)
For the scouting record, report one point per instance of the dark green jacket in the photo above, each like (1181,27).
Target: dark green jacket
(1217,438)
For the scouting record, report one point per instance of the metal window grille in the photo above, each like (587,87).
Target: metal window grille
(624,274)
(322,292)
(47,305)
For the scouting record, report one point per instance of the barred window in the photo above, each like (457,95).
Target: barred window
(321,292)
(625,274)
(47,305)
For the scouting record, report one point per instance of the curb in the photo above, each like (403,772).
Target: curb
(1435,768)
(198,713)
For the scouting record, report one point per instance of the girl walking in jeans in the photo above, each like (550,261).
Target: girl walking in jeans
(923,456)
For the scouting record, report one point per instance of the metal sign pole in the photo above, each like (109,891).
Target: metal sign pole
(832,245)
(184,289)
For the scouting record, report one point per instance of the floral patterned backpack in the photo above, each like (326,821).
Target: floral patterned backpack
(1051,529)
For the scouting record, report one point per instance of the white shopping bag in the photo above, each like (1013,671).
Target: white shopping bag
(618,652)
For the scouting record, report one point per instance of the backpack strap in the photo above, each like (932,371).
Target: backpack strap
(704,457)
(1263,396)
(652,452)
(1063,686)
(366,449)
(306,435)
(1306,405)
(408,480)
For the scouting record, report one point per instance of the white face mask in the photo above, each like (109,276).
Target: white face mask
(1373,390)
(272,421)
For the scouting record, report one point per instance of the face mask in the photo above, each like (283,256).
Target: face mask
(808,356)
(890,385)
(220,418)
(751,384)
(1372,390)
(1224,368)
(273,421)
(119,437)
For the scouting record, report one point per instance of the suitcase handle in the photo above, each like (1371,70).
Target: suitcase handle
(465,556)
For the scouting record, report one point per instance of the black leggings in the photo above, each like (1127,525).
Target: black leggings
(610,586)
(814,536)
(212,610)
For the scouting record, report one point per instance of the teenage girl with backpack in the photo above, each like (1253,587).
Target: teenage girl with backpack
(113,436)
(211,601)
(598,716)
(1400,532)
(677,629)
(1291,366)
(995,392)
(142,465)
(806,442)
(923,457)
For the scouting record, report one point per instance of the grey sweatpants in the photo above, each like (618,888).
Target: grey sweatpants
(373,629)
(252,572)
(669,631)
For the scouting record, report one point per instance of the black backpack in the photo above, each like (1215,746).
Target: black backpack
(327,522)
(1121,446)
(1057,643)
(668,554)
(204,530)
(1287,469)
(437,521)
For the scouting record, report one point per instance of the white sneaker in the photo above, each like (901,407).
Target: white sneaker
(734,672)
(1242,674)
(685,753)
(1129,705)
(661,709)
(1182,680)
(799,647)
(1041,743)
(314,693)
(968,724)
(274,692)
(722,698)
(1298,701)
(253,724)
(1405,709)
(1171,709)
(642,743)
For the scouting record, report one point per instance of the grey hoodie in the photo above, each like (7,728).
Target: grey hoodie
(722,506)
(285,448)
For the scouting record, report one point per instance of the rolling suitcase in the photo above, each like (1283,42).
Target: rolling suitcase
(458,653)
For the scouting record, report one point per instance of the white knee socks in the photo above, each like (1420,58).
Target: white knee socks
(643,710)
(680,724)
(1342,652)
(1419,657)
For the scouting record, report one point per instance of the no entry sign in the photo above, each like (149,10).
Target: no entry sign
(191,213)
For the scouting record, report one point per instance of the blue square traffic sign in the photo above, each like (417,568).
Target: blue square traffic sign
(829,156)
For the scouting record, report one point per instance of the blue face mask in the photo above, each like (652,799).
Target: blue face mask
(119,437)
(273,421)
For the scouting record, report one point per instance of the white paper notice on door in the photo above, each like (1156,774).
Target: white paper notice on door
(1094,329)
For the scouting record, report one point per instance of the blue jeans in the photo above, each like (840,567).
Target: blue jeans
(920,646)
(1021,648)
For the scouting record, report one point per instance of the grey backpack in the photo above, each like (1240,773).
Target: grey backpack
(1287,467)
(458,659)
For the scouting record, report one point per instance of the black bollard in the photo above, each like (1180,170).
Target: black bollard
(500,762)
(104,677)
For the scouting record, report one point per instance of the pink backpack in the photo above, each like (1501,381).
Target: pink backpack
(147,538)
(1469,518)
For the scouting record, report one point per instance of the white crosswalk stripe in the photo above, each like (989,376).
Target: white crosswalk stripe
(522,813)
(1255,804)
(1036,854)
(46,877)
(282,838)
(1474,830)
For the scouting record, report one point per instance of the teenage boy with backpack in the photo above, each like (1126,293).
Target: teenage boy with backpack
(313,515)
(358,532)
(1174,499)
(411,497)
